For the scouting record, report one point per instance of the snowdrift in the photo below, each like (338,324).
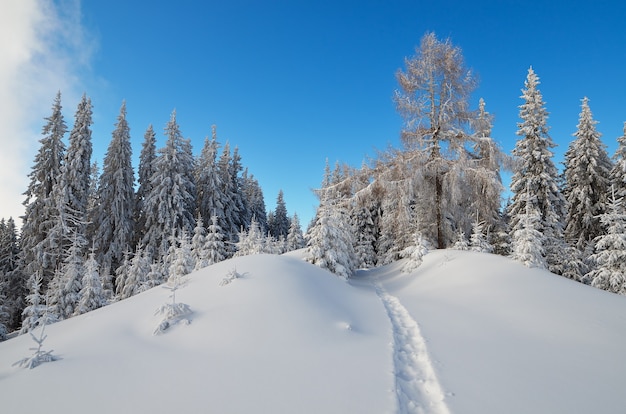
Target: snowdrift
(464,333)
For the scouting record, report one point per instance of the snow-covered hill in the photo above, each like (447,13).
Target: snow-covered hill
(464,333)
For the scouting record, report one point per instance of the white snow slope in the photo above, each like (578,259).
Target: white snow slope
(464,333)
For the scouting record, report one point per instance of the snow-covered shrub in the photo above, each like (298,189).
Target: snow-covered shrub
(461,241)
(230,276)
(39,356)
(414,253)
(172,313)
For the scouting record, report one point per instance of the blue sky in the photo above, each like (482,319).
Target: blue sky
(293,83)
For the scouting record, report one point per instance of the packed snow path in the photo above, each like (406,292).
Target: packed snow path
(417,387)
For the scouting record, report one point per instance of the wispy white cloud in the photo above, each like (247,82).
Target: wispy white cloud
(45,48)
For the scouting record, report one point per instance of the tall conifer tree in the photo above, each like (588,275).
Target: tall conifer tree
(115,223)
(147,158)
(280,224)
(536,174)
(40,205)
(170,205)
(618,172)
(208,181)
(586,173)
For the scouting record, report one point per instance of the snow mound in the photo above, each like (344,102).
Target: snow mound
(465,332)
(506,338)
(273,340)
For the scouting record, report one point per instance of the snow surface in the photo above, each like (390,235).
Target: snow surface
(465,332)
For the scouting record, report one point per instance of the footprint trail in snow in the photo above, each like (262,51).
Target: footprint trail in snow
(417,387)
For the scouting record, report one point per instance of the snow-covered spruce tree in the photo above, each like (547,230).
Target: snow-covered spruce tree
(208,182)
(147,157)
(91,294)
(295,238)
(228,221)
(478,239)
(330,244)
(16,281)
(251,241)
(4,310)
(527,240)
(170,205)
(40,205)
(610,251)
(433,99)
(121,274)
(586,175)
(36,312)
(536,174)
(500,235)
(461,242)
(65,288)
(74,184)
(93,198)
(399,218)
(241,219)
(182,264)
(137,277)
(39,356)
(254,200)
(175,312)
(414,253)
(114,222)
(280,224)
(199,251)
(482,171)
(270,220)
(68,234)
(618,172)
(216,251)
(155,277)
(366,233)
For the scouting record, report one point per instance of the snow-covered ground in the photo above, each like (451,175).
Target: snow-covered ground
(464,333)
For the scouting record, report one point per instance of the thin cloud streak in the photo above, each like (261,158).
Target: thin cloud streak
(44,49)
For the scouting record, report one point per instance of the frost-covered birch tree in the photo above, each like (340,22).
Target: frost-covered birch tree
(433,99)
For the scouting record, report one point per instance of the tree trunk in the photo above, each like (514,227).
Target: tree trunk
(438,212)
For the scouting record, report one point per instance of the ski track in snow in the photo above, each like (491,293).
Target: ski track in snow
(417,387)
